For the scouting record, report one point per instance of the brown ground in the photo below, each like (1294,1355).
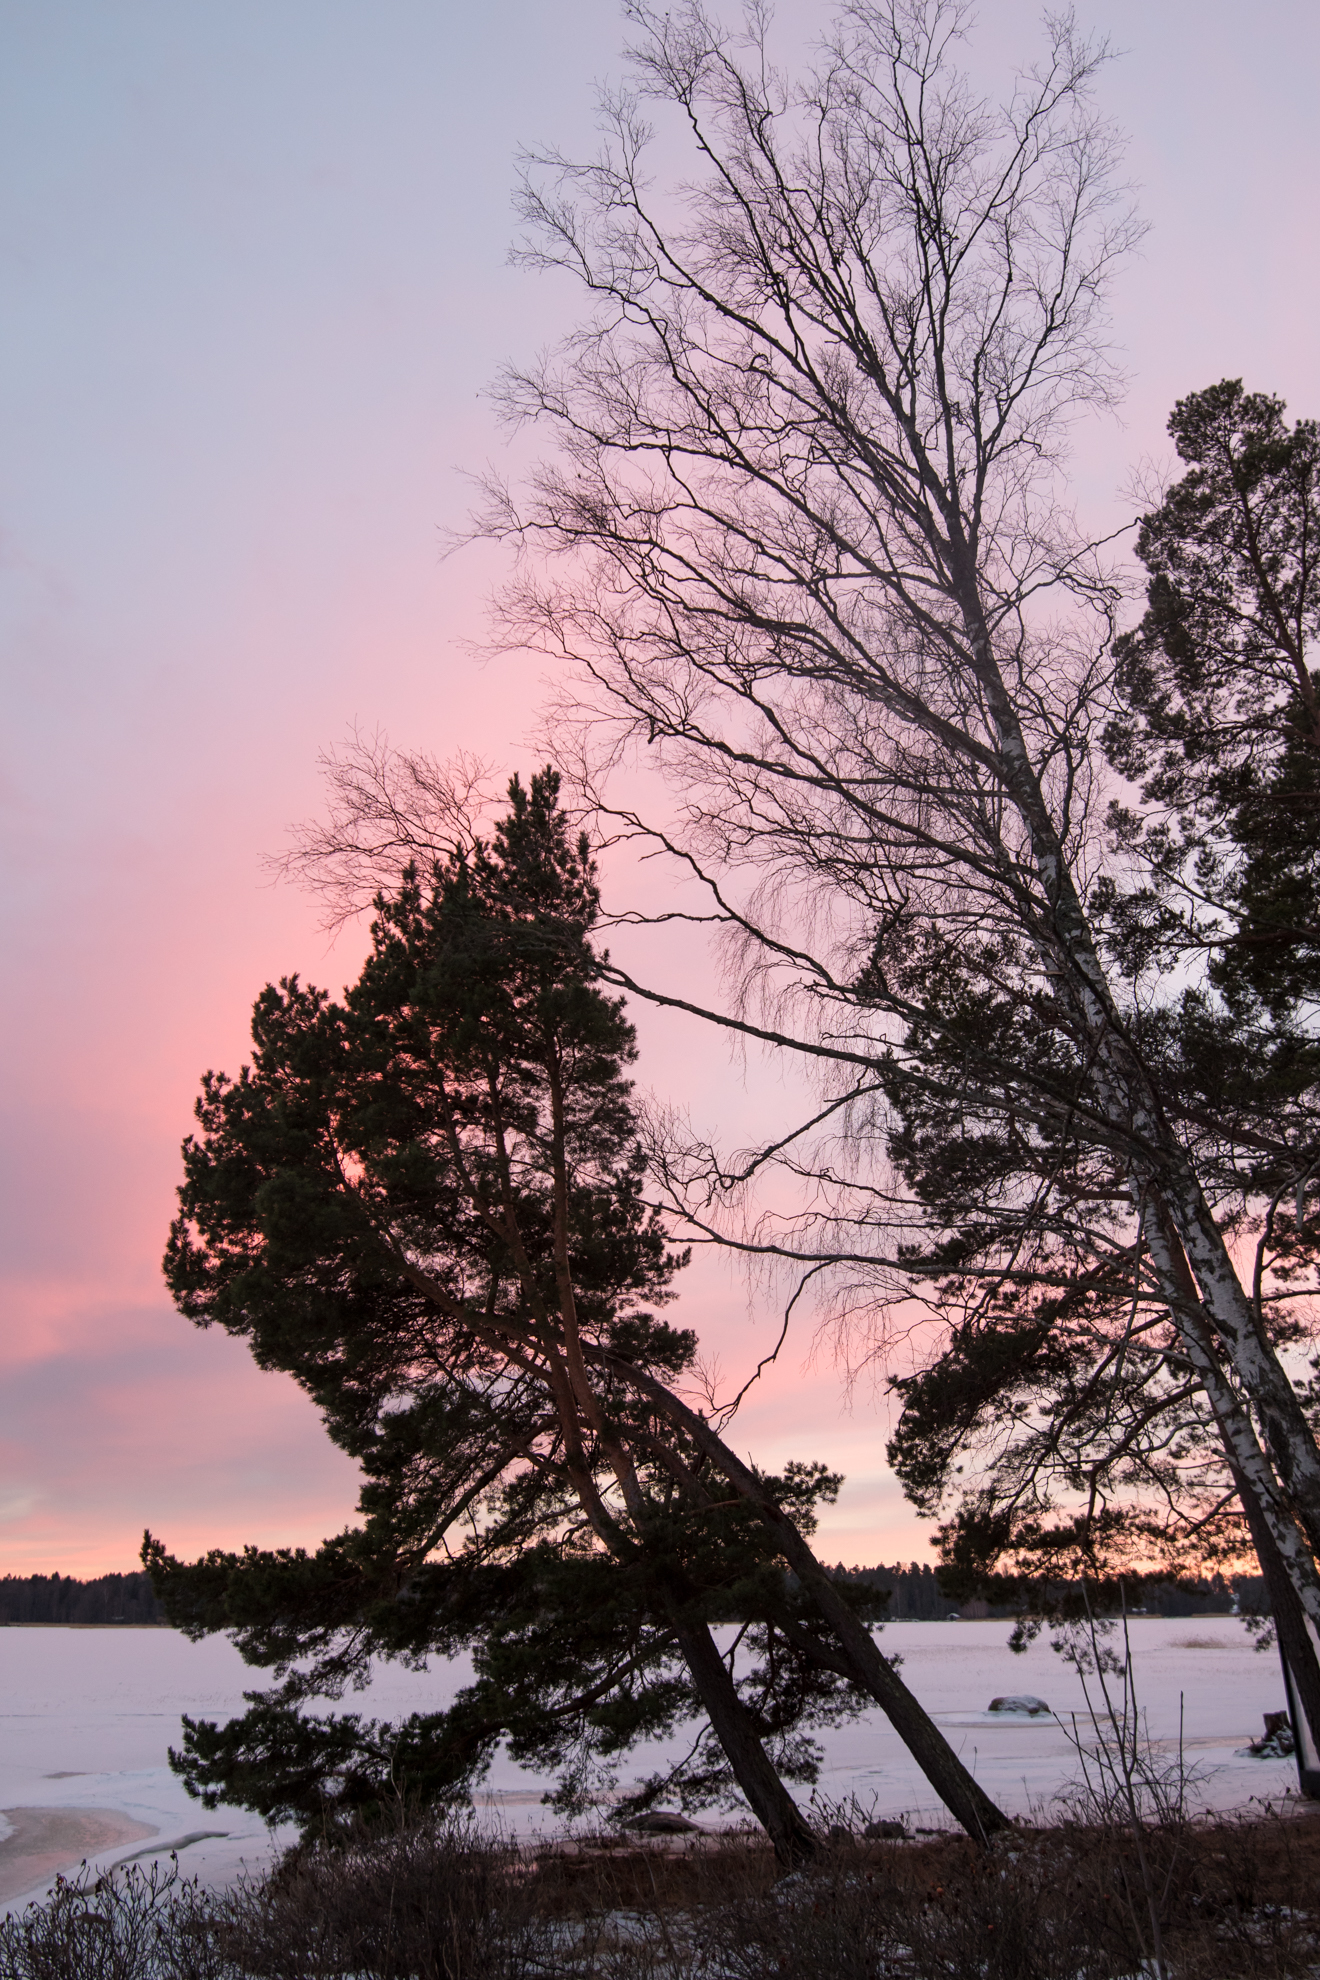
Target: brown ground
(1218,1899)
(1238,1900)
(1279,1853)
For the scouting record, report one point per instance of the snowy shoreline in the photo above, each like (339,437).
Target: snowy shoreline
(90,1710)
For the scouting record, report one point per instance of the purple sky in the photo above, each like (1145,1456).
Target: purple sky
(252,285)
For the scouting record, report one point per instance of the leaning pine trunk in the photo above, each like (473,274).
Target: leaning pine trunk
(961,1794)
(731,1722)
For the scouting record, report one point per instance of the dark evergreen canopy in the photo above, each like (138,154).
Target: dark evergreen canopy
(425,1201)
(1063,1427)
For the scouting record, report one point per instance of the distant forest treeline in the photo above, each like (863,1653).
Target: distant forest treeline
(914,1593)
(58,1598)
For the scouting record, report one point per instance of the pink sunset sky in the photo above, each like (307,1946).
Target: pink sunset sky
(253,284)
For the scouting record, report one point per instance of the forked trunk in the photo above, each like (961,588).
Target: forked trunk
(961,1794)
(1256,1481)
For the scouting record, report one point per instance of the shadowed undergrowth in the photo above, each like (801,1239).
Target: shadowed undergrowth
(442,1902)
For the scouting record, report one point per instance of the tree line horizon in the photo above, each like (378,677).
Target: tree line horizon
(913,1589)
(1032,892)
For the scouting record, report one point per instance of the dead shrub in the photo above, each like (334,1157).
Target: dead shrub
(433,1901)
(441,1901)
(137,1924)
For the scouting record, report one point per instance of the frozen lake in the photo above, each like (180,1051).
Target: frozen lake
(86,1716)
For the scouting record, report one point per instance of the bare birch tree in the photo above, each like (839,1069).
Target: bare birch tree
(385,808)
(803,539)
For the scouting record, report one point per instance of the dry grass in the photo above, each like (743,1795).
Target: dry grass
(1061,1903)
(441,1903)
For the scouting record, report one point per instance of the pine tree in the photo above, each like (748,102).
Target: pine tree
(1220,702)
(425,1201)
(1064,1428)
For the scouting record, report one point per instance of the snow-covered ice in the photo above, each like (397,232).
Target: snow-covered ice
(87,1715)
